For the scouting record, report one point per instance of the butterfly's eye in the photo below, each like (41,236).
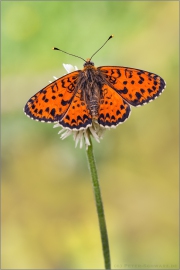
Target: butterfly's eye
(88,63)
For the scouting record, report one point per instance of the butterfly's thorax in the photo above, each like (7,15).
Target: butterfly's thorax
(91,82)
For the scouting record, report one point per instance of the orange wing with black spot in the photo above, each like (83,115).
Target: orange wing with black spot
(77,116)
(52,102)
(136,86)
(60,101)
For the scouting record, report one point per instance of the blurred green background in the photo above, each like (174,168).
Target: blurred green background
(49,218)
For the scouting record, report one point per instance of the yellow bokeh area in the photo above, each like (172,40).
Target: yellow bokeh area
(48,216)
(21,22)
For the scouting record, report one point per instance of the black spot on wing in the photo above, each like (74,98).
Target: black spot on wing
(122,91)
(76,123)
(114,120)
(138,95)
(53,112)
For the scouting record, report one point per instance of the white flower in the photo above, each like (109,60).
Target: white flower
(95,130)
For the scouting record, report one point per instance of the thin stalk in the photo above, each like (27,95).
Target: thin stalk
(99,206)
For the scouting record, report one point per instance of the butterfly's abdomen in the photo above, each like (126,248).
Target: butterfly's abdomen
(94,107)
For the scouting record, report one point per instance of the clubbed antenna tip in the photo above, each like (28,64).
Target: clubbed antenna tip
(111,37)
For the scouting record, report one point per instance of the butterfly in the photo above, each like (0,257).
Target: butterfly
(102,94)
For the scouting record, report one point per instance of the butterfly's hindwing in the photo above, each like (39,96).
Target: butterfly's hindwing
(113,110)
(78,116)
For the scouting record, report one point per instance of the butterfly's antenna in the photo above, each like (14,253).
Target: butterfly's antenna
(102,46)
(54,48)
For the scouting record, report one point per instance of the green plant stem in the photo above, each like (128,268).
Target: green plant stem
(99,207)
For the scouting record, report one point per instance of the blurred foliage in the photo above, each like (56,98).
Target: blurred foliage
(48,212)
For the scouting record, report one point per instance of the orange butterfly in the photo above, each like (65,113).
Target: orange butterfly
(102,94)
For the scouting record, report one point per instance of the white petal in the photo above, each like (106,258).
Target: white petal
(93,132)
(81,142)
(56,125)
(66,134)
(69,68)
(61,131)
(87,142)
(78,137)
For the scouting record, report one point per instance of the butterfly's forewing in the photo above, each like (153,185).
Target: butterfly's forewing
(113,110)
(52,102)
(136,86)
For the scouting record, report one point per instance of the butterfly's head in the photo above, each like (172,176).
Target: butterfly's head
(88,63)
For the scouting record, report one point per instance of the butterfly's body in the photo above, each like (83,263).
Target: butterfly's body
(91,81)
